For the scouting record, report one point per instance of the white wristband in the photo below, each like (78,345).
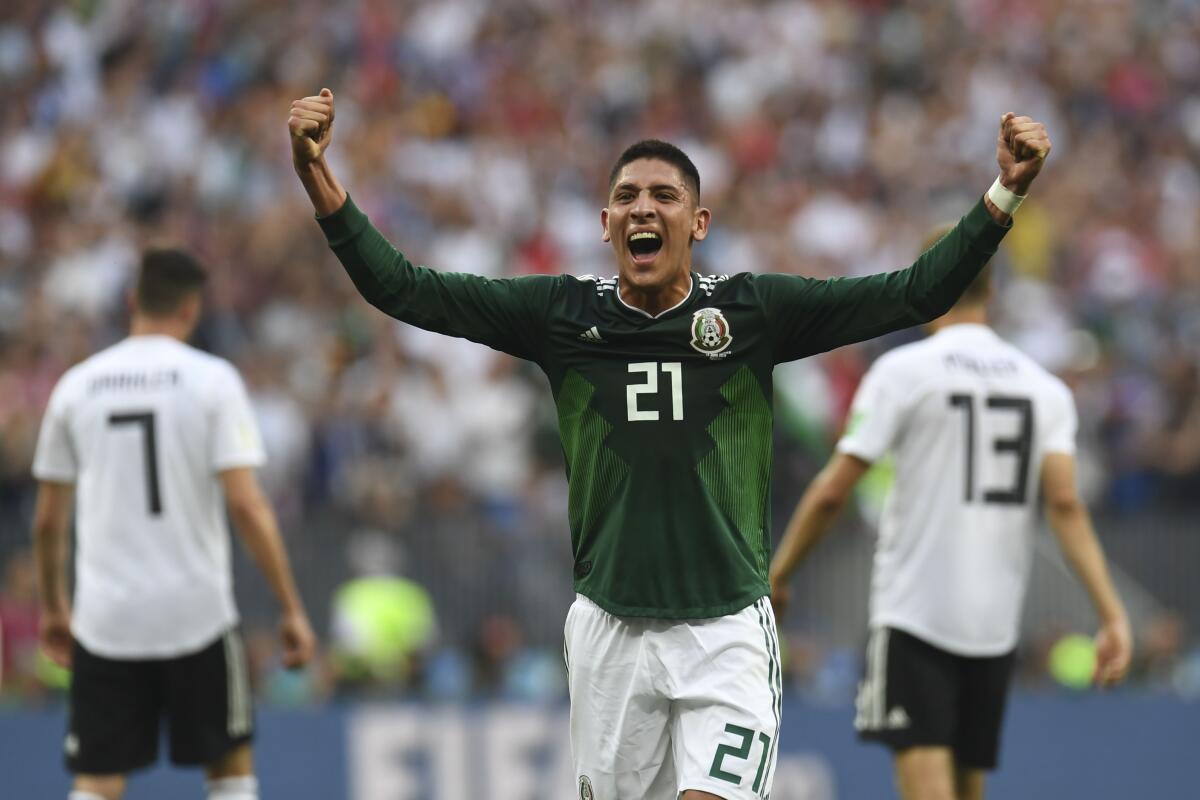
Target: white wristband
(1004,199)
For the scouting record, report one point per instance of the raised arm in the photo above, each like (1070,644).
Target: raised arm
(1072,525)
(818,508)
(255,523)
(506,314)
(311,127)
(811,316)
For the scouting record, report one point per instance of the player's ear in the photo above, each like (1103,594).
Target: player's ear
(700,220)
(604,237)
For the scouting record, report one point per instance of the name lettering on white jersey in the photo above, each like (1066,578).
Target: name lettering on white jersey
(966,362)
(124,381)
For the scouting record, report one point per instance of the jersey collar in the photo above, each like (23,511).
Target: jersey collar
(968,329)
(665,311)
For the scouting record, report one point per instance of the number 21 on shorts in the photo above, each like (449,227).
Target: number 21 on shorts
(741,751)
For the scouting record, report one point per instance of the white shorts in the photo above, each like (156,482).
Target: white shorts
(662,706)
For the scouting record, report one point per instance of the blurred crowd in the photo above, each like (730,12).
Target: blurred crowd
(830,135)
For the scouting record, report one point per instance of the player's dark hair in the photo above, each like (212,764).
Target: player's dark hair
(167,278)
(661,151)
(977,291)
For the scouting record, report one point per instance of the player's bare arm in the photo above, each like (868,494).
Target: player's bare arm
(310,125)
(818,508)
(1022,146)
(51,522)
(1072,525)
(256,524)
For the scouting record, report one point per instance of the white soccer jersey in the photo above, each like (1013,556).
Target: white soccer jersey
(968,418)
(142,429)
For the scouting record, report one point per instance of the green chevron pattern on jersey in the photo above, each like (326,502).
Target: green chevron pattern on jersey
(738,471)
(594,470)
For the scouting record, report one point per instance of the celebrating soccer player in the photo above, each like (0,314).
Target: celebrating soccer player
(662,380)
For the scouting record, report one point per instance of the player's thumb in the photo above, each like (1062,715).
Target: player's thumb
(325,92)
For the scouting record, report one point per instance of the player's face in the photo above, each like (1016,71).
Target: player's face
(651,220)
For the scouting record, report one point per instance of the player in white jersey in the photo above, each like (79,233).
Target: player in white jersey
(156,438)
(976,428)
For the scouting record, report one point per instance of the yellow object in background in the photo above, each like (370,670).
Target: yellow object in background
(1030,245)
(380,624)
(1072,661)
(51,674)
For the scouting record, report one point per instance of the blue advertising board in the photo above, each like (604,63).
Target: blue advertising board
(1056,746)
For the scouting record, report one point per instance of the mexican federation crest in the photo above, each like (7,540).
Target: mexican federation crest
(710,331)
(585,788)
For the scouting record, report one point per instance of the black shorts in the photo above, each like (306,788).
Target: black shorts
(117,707)
(918,695)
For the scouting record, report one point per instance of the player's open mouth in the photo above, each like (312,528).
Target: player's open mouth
(644,246)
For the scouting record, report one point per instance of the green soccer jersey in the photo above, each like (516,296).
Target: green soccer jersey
(665,420)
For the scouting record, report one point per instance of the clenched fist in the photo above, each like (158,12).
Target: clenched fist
(311,126)
(1021,150)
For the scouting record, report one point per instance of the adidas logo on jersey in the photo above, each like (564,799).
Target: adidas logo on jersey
(897,718)
(592,335)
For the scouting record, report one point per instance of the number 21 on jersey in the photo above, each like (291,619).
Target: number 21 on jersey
(649,370)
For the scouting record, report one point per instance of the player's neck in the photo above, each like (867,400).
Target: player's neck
(971,315)
(655,300)
(142,325)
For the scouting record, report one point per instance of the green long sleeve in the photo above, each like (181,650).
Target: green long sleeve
(507,314)
(810,316)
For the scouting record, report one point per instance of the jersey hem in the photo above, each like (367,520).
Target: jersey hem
(188,647)
(850,448)
(718,788)
(240,462)
(945,643)
(50,476)
(701,612)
